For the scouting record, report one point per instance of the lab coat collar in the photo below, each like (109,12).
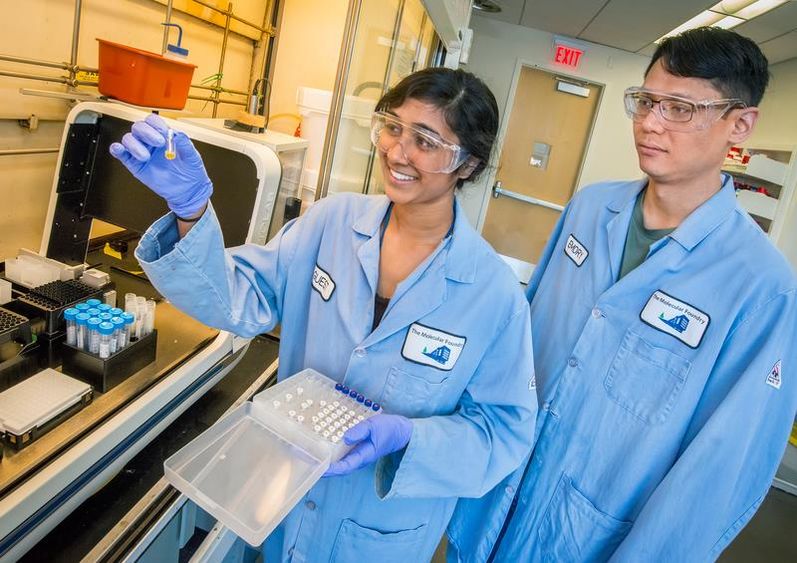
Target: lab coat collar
(460,263)
(700,223)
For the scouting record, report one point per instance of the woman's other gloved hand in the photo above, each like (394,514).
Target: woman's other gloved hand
(372,438)
(182,182)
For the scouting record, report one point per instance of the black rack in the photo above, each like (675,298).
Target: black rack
(49,301)
(14,326)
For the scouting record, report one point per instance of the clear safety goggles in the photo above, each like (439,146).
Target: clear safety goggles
(424,150)
(676,113)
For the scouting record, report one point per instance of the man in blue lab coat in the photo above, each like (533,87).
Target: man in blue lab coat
(665,354)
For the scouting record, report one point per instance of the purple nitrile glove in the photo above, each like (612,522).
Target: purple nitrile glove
(182,182)
(374,437)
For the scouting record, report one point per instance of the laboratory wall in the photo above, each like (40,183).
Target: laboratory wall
(42,29)
(497,47)
(308,50)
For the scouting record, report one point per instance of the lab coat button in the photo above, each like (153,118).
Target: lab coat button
(510,489)
(546,405)
(359,352)
(597,313)
(572,362)
(310,505)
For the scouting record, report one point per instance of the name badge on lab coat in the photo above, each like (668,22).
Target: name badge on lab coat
(677,318)
(432,347)
(323,283)
(576,251)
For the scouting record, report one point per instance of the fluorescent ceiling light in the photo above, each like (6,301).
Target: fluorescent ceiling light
(727,14)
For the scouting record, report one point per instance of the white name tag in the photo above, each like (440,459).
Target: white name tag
(683,321)
(432,347)
(576,251)
(323,283)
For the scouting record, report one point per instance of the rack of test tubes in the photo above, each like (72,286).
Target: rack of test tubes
(105,345)
(251,467)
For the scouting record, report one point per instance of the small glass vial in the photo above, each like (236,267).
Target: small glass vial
(118,330)
(127,333)
(149,319)
(93,302)
(81,321)
(130,303)
(71,325)
(141,311)
(94,335)
(170,153)
(106,335)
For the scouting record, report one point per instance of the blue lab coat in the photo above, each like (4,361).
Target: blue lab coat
(666,397)
(453,352)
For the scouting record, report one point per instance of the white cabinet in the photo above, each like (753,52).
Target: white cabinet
(765,188)
(450,18)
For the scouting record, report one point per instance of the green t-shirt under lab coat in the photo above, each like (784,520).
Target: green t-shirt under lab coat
(639,239)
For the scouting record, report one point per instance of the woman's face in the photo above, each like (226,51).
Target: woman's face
(405,184)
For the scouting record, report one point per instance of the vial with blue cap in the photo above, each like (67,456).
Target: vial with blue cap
(103,307)
(81,325)
(106,334)
(93,302)
(71,325)
(93,326)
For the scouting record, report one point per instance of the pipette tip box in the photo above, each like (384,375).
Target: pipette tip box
(251,468)
(30,408)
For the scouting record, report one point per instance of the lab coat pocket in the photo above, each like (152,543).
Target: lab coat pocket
(357,543)
(646,380)
(574,530)
(416,394)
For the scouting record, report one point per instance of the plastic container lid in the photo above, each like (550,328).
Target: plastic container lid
(116,312)
(83,307)
(103,307)
(71,313)
(128,318)
(93,311)
(82,318)
(93,302)
(106,328)
(105,317)
(93,323)
(117,322)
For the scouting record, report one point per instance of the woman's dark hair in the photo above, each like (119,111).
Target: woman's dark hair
(468,105)
(732,63)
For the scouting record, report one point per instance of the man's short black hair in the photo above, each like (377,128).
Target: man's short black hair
(732,63)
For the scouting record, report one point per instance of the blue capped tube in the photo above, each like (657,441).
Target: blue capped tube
(93,325)
(71,325)
(106,335)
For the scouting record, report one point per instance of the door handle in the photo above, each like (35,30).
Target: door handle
(498,190)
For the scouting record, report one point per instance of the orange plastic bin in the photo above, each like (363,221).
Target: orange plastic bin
(143,78)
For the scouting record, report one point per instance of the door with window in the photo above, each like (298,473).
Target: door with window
(541,157)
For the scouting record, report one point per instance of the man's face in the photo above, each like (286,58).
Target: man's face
(668,156)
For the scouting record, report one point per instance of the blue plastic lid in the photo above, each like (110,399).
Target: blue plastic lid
(128,318)
(82,318)
(368,402)
(104,307)
(360,398)
(93,302)
(93,323)
(83,307)
(71,313)
(116,312)
(93,311)
(177,50)
(344,390)
(105,317)
(338,387)
(353,394)
(375,407)
(106,328)
(117,322)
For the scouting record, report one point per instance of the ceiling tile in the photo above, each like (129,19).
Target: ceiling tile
(780,49)
(566,17)
(782,19)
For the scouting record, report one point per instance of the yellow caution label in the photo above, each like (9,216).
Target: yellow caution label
(793,437)
(87,76)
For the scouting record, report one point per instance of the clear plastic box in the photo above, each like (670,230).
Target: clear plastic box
(254,465)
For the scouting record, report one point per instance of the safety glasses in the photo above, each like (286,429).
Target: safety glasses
(676,113)
(424,150)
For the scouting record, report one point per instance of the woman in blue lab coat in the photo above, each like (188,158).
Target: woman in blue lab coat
(395,296)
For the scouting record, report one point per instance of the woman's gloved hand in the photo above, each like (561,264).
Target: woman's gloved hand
(372,438)
(182,182)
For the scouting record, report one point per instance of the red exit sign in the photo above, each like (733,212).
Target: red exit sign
(568,56)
